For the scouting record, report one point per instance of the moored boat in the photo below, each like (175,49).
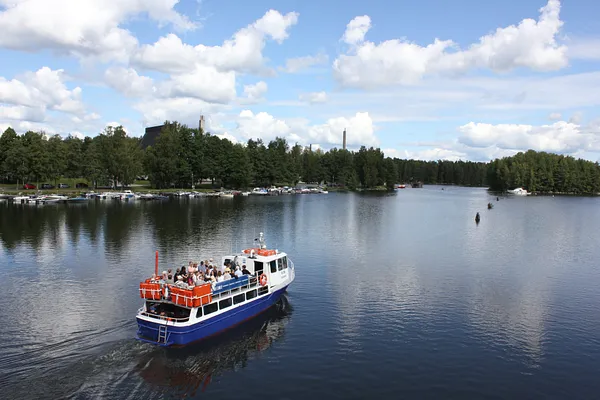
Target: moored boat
(173,315)
(519,192)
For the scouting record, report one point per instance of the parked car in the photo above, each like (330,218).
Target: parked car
(63,186)
(81,185)
(28,186)
(47,186)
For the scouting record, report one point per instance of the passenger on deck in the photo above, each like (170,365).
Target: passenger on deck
(238,272)
(202,267)
(245,271)
(180,283)
(170,280)
(226,275)
(220,277)
(164,276)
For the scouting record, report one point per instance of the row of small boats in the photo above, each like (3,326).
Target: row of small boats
(273,191)
(44,199)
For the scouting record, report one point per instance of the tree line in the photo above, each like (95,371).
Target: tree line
(545,172)
(183,156)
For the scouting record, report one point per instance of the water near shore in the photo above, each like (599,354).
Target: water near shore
(396,296)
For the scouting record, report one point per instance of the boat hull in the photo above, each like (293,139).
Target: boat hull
(183,335)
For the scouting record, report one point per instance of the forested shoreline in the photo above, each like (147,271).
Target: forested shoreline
(182,156)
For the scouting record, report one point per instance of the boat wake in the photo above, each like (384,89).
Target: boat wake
(84,366)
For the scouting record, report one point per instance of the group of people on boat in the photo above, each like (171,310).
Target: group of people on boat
(198,274)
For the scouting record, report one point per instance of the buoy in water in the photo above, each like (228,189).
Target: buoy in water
(477,218)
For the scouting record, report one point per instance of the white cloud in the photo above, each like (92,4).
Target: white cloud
(43,89)
(204,82)
(576,118)
(559,137)
(128,82)
(432,155)
(242,53)
(255,93)
(293,65)
(531,44)
(356,30)
(185,110)
(554,116)
(77,135)
(227,136)
(360,129)
(314,97)
(82,28)
(21,113)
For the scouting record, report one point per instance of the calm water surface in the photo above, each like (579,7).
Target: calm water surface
(396,295)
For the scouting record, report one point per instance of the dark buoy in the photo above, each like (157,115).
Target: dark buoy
(497,198)
(477,218)
(490,206)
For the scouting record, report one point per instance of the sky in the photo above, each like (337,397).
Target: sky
(433,79)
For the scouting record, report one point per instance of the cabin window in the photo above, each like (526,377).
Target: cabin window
(210,308)
(225,303)
(240,298)
(258,267)
(199,312)
(285,263)
(280,264)
(273,265)
(263,290)
(251,294)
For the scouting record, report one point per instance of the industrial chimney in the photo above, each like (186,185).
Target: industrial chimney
(344,142)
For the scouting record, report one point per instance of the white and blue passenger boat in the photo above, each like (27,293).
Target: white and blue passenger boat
(172,316)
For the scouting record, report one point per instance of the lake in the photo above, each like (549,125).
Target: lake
(397,295)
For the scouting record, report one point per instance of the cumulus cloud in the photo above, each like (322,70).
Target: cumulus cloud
(128,82)
(559,137)
(360,129)
(84,28)
(531,44)
(254,93)
(186,110)
(35,92)
(241,53)
(314,97)
(293,65)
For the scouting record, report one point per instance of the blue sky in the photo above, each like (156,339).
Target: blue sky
(431,79)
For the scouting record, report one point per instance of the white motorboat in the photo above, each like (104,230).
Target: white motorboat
(519,192)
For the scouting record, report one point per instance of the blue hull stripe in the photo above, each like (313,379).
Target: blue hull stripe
(183,335)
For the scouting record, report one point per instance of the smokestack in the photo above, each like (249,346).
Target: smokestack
(201,124)
(310,147)
(344,142)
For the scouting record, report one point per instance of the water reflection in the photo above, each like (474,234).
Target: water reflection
(182,372)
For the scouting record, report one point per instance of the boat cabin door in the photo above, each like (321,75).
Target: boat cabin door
(278,269)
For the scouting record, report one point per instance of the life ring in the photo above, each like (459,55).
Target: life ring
(263,280)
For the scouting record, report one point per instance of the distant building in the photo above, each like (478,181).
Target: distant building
(344,141)
(153,132)
(151,135)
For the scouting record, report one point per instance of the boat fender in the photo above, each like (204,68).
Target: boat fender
(166,294)
(251,253)
(263,280)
